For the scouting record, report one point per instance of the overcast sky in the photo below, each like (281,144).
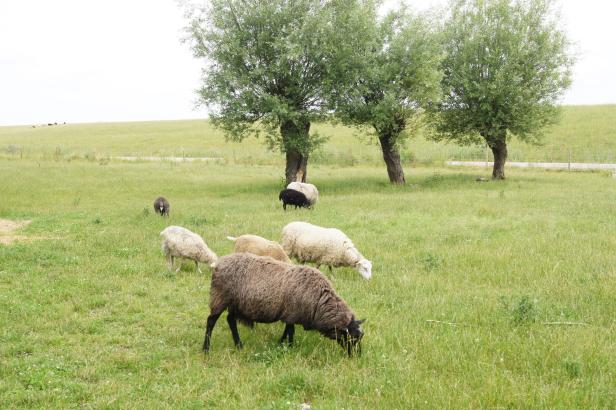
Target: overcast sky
(122,60)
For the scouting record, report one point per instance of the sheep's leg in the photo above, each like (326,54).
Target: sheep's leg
(211,321)
(284,206)
(231,319)
(169,261)
(330,268)
(197,265)
(289,331)
(179,267)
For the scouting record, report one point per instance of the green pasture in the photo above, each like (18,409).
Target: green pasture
(584,134)
(484,294)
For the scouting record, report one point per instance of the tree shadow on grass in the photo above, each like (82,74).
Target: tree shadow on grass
(360,184)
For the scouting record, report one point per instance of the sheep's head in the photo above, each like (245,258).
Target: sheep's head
(364,267)
(207,256)
(350,337)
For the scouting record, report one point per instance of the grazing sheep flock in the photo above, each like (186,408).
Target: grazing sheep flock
(260,283)
(260,289)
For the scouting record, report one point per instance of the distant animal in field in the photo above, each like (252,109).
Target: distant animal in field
(179,242)
(311,191)
(293,197)
(259,246)
(323,246)
(261,289)
(161,206)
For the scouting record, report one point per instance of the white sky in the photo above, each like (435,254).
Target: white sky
(122,60)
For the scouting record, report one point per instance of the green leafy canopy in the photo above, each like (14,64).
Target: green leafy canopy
(399,74)
(506,66)
(273,62)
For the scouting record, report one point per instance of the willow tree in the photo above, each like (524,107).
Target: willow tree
(270,67)
(506,66)
(399,75)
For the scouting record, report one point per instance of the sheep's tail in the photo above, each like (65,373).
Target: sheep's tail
(231,238)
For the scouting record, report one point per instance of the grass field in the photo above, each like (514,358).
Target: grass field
(91,318)
(587,133)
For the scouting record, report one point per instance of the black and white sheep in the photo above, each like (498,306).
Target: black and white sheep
(293,197)
(260,289)
(311,191)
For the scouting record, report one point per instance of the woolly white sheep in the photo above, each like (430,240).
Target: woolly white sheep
(311,191)
(259,246)
(179,242)
(323,246)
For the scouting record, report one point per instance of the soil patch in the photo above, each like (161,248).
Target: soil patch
(7,229)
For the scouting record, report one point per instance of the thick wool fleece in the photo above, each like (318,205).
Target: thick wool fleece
(311,191)
(261,289)
(181,243)
(161,206)
(323,246)
(293,197)
(259,246)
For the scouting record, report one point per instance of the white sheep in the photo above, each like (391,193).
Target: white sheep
(259,246)
(179,242)
(323,246)
(311,191)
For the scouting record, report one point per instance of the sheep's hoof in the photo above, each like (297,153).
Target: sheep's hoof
(239,345)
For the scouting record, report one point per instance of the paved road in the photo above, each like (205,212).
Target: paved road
(172,159)
(546,165)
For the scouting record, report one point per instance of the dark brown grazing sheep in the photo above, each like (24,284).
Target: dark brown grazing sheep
(260,289)
(161,206)
(293,197)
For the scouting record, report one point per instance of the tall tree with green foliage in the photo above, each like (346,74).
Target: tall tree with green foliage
(506,66)
(271,67)
(399,75)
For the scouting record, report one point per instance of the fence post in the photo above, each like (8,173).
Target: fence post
(569,159)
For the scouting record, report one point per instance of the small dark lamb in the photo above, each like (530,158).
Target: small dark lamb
(293,197)
(161,206)
(260,289)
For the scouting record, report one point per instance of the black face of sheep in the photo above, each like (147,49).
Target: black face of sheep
(161,206)
(350,337)
(293,197)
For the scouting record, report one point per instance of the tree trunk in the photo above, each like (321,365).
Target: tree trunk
(499,150)
(391,156)
(297,167)
(295,141)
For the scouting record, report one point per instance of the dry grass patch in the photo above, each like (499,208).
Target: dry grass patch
(7,227)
